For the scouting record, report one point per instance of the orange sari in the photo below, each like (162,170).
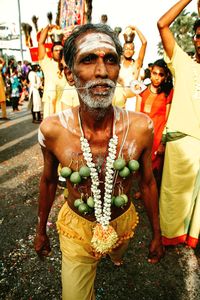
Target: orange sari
(158,115)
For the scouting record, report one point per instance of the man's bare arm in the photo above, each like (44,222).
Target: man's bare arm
(48,185)
(141,54)
(41,42)
(165,21)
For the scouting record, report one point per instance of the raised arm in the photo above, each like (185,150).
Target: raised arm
(165,21)
(48,185)
(141,54)
(150,196)
(41,42)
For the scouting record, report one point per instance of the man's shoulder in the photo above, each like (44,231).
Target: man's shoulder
(140,121)
(50,125)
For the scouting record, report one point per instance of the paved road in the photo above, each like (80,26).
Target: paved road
(24,277)
(17,132)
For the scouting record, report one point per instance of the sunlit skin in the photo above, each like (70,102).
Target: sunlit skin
(56,53)
(96,68)
(197,44)
(157,77)
(97,63)
(128,50)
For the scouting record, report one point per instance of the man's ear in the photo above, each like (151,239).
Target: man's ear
(69,75)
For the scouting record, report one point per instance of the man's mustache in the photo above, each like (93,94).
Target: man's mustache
(104,82)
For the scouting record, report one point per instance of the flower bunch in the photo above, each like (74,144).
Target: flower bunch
(104,239)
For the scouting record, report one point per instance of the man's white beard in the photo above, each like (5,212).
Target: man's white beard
(102,100)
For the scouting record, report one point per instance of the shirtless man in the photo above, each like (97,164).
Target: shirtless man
(56,88)
(95,135)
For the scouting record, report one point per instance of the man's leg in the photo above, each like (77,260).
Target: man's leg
(117,254)
(78,270)
(3,108)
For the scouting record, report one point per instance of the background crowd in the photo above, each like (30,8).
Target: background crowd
(17,85)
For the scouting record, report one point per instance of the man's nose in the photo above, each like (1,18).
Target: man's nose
(100,69)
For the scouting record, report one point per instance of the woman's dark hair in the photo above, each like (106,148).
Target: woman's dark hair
(167,85)
(70,43)
(196,25)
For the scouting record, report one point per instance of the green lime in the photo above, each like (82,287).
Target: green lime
(83,208)
(90,202)
(124,172)
(75,177)
(65,172)
(119,201)
(77,202)
(125,197)
(84,171)
(133,165)
(119,163)
(113,200)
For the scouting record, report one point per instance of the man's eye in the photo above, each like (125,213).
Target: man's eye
(88,59)
(111,59)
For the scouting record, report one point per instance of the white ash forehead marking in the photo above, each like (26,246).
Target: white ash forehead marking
(65,118)
(132,148)
(95,41)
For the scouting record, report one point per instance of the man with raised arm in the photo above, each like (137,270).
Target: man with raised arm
(180,190)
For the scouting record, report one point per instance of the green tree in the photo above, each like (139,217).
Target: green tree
(182,28)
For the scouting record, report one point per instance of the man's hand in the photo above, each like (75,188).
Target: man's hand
(156,251)
(42,244)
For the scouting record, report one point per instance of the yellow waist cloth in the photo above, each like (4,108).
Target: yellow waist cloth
(78,228)
(79,260)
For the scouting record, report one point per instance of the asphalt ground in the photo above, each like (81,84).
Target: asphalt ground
(24,276)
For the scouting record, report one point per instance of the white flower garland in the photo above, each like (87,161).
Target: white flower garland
(104,235)
(102,214)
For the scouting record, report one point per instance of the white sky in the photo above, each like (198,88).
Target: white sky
(142,13)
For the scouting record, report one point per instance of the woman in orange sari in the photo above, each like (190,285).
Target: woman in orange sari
(155,101)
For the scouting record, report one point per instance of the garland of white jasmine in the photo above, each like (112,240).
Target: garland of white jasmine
(104,235)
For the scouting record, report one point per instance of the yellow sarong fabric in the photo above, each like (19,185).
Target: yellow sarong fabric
(180,192)
(79,260)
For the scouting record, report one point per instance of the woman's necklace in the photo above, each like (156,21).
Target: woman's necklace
(104,235)
(155,93)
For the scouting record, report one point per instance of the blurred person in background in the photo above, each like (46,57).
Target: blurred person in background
(35,102)
(2,92)
(180,189)
(16,89)
(131,69)
(57,91)
(155,101)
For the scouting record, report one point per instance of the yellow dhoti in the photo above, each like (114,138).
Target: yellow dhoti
(79,260)
(180,192)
